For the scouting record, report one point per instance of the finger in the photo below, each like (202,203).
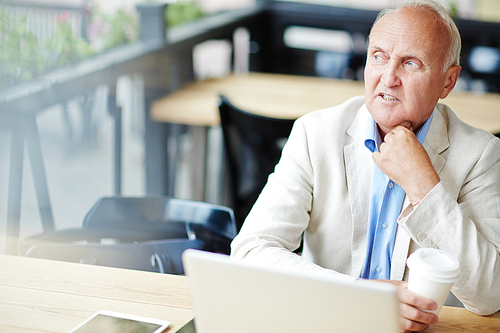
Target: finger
(413,299)
(389,136)
(403,284)
(413,319)
(403,127)
(400,131)
(411,326)
(417,315)
(383,147)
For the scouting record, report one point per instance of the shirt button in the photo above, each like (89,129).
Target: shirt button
(384,225)
(378,269)
(391,184)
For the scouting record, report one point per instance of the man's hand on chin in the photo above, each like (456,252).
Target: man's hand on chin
(404,160)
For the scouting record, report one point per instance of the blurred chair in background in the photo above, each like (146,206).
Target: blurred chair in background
(253,146)
(148,233)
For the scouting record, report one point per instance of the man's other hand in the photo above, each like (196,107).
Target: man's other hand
(413,318)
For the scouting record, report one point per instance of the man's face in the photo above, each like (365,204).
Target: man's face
(404,77)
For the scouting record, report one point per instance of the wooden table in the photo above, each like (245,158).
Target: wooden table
(39,295)
(291,96)
(279,96)
(48,296)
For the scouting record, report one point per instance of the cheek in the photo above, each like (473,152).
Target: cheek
(425,93)
(370,81)
(369,72)
(417,91)
(366,78)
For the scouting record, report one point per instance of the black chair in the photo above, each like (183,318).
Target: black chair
(148,233)
(253,146)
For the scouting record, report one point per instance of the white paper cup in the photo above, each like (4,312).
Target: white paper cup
(432,274)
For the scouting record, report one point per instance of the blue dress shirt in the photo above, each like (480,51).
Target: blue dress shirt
(386,202)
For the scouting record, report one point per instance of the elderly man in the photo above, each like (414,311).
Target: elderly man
(368,182)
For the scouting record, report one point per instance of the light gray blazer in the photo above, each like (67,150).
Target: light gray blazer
(321,188)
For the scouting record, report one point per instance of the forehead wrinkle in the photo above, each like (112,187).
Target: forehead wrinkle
(399,27)
(432,27)
(397,43)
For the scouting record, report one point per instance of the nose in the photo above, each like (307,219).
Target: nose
(390,77)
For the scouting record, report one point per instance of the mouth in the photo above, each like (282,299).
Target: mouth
(388,98)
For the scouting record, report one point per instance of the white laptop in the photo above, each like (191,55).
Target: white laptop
(232,297)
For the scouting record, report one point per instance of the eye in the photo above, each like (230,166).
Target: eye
(413,64)
(377,57)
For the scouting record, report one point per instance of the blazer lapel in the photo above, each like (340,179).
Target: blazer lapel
(358,168)
(436,141)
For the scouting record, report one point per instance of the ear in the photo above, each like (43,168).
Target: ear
(450,79)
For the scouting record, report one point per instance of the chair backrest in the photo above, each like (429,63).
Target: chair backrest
(144,233)
(152,213)
(253,145)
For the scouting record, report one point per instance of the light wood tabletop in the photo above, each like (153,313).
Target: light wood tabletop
(48,296)
(453,319)
(290,96)
(39,295)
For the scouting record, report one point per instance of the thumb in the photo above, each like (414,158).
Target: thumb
(376,157)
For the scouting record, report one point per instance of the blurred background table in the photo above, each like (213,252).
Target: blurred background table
(291,96)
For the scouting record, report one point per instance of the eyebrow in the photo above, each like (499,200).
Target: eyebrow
(405,57)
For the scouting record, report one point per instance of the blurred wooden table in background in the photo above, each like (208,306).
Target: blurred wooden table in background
(291,96)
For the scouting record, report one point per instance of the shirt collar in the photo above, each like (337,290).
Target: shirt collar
(373,139)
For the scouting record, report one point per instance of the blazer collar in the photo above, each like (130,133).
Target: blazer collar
(358,168)
(357,130)
(437,141)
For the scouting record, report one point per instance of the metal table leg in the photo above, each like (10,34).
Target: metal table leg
(24,130)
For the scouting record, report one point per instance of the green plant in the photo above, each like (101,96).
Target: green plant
(64,48)
(181,12)
(20,57)
(106,31)
(124,29)
(453,9)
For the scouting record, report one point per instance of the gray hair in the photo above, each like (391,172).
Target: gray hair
(454,41)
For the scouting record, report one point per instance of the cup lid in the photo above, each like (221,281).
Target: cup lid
(435,264)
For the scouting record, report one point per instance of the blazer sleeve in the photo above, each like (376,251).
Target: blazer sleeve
(466,225)
(274,227)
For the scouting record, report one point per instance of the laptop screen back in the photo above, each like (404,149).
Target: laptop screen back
(235,297)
